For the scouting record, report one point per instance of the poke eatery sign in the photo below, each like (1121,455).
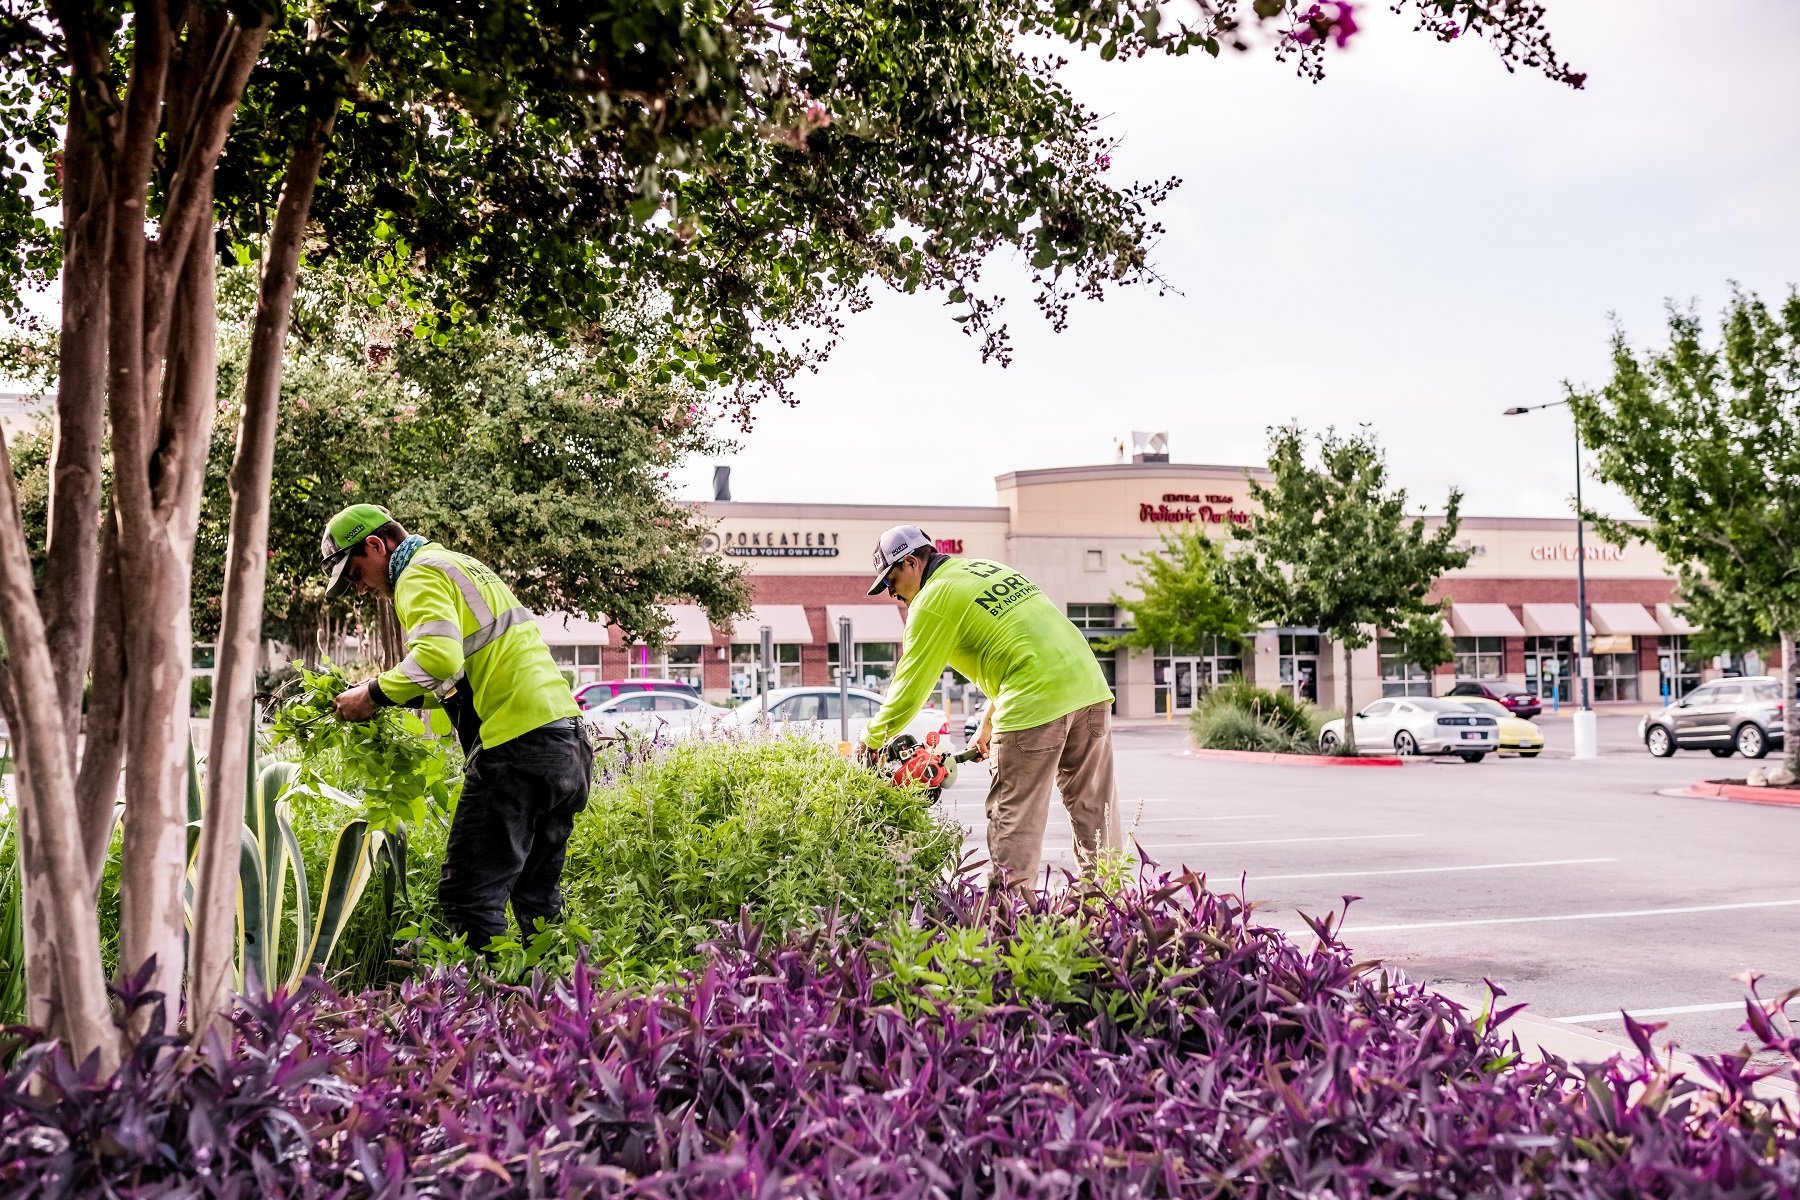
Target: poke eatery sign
(1205,509)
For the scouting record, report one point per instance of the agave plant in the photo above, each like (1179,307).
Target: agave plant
(271,859)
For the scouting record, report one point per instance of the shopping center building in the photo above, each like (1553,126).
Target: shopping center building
(1512,610)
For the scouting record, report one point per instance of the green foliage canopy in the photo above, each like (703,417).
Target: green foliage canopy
(1703,438)
(1181,599)
(1333,548)
(752,168)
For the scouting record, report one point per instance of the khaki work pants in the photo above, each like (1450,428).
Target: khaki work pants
(1074,752)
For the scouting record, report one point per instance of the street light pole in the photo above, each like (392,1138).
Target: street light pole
(1586,725)
(1583,669)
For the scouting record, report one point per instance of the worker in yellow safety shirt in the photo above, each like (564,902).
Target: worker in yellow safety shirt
(472,648)
(1050,719)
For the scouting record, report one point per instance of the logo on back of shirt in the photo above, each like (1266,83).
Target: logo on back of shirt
(1003,593)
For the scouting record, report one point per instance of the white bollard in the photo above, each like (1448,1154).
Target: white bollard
(1587,734)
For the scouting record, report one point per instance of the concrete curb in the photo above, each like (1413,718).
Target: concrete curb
(1778,796)
(1300,760)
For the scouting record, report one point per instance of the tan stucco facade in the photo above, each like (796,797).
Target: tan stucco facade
(1075,530)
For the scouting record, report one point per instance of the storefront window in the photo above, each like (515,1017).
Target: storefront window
(1297,668)
(1480,658)
(680,663)
(579,664)
(1681,666)
(872,666)
(1091,616)
(1402,678)
(1615,677)
(1181,679)
(744,659)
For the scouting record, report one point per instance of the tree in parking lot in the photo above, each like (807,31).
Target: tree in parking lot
(1703,437)
(1333,548)
(1181,598)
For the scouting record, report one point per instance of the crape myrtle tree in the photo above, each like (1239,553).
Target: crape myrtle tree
(1182,598)
(751,167)
(1333,548)
(1703,438)
(525,452)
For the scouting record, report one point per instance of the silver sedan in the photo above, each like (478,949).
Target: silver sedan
(1408,725)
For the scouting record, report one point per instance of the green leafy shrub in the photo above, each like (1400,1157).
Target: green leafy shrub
(387,762)
(1237,715)
(1222,728)
(783,828)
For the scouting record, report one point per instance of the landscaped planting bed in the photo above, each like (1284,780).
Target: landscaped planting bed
(839,1013)
(1149,1042)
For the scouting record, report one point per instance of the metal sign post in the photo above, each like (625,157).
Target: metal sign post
(844,660)
(766,675)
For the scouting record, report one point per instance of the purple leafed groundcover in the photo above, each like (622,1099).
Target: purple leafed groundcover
(1182,1051)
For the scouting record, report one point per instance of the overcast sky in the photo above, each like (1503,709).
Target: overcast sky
(1418,242)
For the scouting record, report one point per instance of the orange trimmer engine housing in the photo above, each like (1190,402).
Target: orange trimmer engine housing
(928,765)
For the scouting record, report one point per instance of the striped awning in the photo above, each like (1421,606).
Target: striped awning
(691,626)
(868,622)
(1552,620)
(787,623)
(1484,620)
(1672,622)
(1623,620)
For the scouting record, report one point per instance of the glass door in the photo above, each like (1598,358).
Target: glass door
(1550,669)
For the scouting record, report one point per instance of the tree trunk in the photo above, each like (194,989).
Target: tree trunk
(71,559)
(246,571)
(97,785)
(67,996)
(1349,703)
(1790,711)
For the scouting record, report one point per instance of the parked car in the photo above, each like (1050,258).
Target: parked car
(1726,716)
(1408,725)
(1517,735)
(1518,700)
(648,712)
(591,695)
(814,712)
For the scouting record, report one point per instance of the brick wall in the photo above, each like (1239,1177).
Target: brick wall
(1648,592)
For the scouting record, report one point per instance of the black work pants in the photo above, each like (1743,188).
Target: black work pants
(512,825)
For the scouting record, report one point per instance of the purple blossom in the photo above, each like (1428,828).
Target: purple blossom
(1334,19)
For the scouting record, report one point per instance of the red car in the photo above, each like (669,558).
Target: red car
(590,694)
(1519,701)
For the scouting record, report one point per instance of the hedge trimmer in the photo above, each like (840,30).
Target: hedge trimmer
(907,762)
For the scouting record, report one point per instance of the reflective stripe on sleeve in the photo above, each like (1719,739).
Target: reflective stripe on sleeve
(471,594)
(449,629)
(415,673)
(488,634)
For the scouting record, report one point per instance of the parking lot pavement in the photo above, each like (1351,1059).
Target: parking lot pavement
(1573,885)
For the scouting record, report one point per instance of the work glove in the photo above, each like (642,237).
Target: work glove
(867,755)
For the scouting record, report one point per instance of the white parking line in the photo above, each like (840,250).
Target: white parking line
(1232,817)
(1592,916)
(1548,862)
(1183,820)
(1345,837)
(1636,1013)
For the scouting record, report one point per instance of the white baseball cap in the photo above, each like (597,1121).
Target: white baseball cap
(893,546)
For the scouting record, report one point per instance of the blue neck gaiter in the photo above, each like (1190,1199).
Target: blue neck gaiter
(401,556)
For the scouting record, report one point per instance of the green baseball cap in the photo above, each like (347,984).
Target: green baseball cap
(344,533)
